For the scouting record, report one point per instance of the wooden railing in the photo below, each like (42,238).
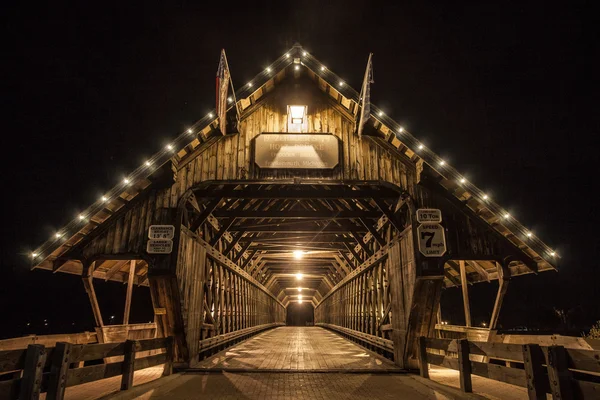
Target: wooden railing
(564,373)
(37,369)
(359,306)
(215,343)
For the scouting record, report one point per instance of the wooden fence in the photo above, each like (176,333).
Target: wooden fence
(564,373)
(39,369)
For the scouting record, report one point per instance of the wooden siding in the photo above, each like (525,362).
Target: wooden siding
(230,158)
(191,273)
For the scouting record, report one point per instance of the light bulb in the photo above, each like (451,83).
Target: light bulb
(299,276)
(401,129)
(421,147)
(298,254)
(462,180)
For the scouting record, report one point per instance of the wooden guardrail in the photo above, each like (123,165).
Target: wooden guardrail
(37,369)
(364,338)
(564,373)
(224,340)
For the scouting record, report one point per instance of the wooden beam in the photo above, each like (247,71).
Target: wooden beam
(204,215)
(373,230)
(465,292)
(236,239)
(503,279)
(354,253)
(221,232)
(295,214)
(361,243)
(89,289)
(132,264)
(480,270)
(114,269)
(242,251)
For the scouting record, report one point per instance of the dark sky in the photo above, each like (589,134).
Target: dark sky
(507,93)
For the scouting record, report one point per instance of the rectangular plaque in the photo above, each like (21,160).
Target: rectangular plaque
(296,150)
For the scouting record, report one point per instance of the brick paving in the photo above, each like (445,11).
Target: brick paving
(295,363)
(290,385)
(297,348)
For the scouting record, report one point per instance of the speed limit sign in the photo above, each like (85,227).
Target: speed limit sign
(432,240)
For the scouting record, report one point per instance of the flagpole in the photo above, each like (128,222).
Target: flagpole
(237,110)
(365,97)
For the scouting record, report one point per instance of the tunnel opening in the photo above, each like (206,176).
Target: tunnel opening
(300,314)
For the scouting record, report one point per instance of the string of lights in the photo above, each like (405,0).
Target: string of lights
(286,59)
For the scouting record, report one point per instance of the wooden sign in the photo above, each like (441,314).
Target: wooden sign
(161,232)
(159,246)
(429,215)
(296,150)
(432,240)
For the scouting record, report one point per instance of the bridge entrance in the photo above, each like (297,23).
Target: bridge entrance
(287,204)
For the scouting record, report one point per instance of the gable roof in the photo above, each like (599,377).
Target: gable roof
(199,134)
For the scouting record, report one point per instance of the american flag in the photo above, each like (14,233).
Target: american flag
(365,97)
(223,78)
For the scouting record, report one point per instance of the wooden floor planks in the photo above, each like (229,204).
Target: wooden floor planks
(297,348)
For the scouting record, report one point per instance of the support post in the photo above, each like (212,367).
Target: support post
(398,308)
(464,366)
(31,383)
(423,366)
(558,373)
(87,276)
(533,359)
(58,371)
(129,292)
(131,347)
(170,350)
(465,292)
(503,279)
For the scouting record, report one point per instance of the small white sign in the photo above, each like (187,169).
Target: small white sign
(432,240)
(159,246)
(429,215)
(161,232)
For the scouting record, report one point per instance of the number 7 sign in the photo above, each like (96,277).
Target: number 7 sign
(432,240)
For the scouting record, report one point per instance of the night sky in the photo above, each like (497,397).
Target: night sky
(506,93)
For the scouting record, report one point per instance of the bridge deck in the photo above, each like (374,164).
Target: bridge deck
(297,348)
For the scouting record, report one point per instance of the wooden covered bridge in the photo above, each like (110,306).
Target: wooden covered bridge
(291,206)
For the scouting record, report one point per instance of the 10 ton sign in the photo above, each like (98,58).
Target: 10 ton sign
(431,237)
